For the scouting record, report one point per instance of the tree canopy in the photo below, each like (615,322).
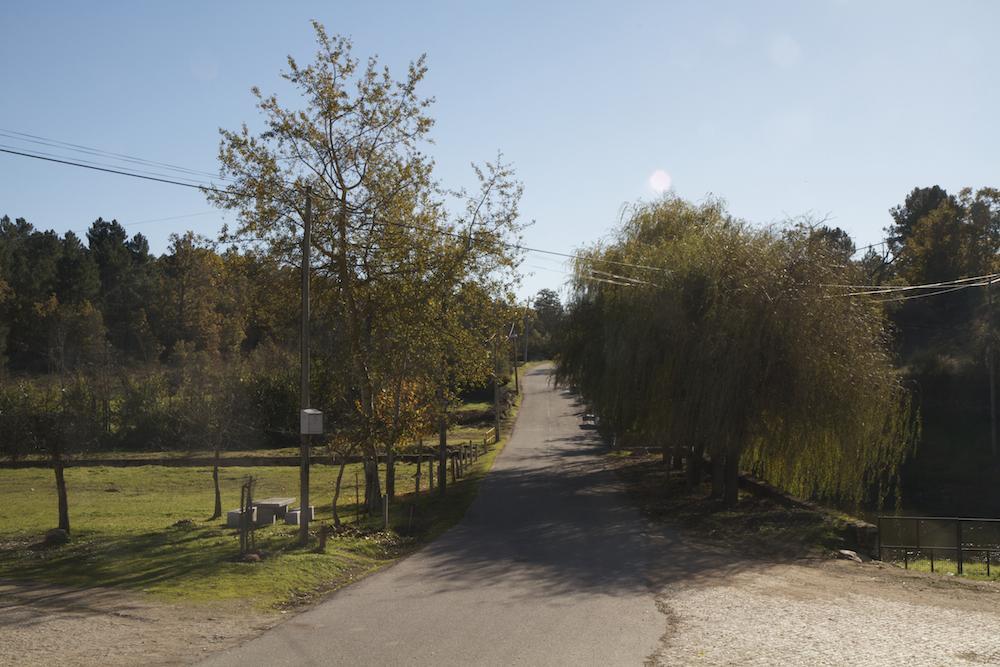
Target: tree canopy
(727,345)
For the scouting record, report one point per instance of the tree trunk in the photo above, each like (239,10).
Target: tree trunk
(430,473)
(57,466)
(442,455)
(677,462)
(718,476)
(732,473)
(694,466)
(217,513)
(373,488)
(336,491)
(390,473)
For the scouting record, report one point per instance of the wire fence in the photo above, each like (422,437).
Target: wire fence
(963,539)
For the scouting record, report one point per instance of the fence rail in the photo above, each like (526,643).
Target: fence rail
(936,535)
(454,451)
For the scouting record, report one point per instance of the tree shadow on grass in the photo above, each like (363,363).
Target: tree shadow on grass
(36,581)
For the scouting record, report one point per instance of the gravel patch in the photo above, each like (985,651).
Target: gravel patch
(42,624)
(830,614)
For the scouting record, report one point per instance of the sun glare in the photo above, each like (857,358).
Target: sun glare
(659,180)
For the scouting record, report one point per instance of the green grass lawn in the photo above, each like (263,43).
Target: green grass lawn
(971,569)
(123,531)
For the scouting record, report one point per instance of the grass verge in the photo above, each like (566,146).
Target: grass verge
(144,529)
(971,569)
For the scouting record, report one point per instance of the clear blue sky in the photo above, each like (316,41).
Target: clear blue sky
(830,107)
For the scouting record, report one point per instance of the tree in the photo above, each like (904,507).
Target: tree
(730,347)
(389,264)
(50,418)
(546,323)
(125,268)
(918,203)
(192,301)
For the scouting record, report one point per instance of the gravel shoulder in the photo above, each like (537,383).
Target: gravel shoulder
(43,624)
(826,613)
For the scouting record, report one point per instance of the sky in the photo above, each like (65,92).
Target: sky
(829,108)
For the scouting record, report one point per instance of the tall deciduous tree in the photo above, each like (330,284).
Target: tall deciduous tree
(390,265)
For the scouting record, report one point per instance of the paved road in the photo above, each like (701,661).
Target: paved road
(548,567)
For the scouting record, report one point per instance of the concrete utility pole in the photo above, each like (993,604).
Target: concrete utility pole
(527,305)
(496,387)
(304,390)
(992,365)
(513,344)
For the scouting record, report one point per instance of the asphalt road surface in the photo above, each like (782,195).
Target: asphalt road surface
(548,567)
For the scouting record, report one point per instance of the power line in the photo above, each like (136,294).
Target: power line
(921,296)
(459,235)
(151,220)
(56,143)
(891,289)
(869,247)
(109,170)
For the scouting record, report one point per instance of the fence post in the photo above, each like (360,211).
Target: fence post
(880,555)
(958,544)
(416,485)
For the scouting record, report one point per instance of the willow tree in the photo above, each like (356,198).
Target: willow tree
(387,251)
(728,345)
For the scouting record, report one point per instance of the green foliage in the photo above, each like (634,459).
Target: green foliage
(545,327)
(732,347)
(407,292)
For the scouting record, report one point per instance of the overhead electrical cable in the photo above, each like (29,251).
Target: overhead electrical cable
(921,296)
(56,143)
(161,179)
(892,289)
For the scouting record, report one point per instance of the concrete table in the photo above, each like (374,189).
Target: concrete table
(270,509)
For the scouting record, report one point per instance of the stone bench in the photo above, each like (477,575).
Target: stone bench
(292,516)
(233,517)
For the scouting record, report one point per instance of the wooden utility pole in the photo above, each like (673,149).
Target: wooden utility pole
(304,389)
(990,360)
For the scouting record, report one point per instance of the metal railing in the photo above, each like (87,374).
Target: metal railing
(936,535)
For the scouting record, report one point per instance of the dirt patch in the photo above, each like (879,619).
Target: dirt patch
(44,624)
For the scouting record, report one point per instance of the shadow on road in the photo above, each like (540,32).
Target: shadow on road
(552,516)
